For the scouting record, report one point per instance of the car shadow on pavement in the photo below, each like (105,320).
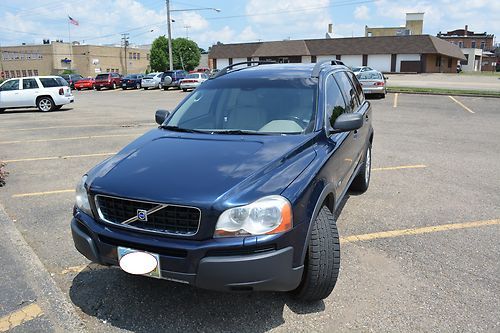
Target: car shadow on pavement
(12,111)
(142,304)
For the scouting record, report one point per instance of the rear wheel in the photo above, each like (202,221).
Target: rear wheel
(362,180)
(98,88)
(2,110)
(45,104)
(184,89)
(322,263)
(146,88)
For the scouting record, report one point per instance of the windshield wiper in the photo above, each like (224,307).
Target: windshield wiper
(239,132)
(180,129)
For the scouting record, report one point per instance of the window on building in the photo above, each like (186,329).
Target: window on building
(449,62)
(473,44)
(30,84)
(12,74)
(7,74)
(438,61)
(135,55)
(460,44)
(147,56)
(138,56)
(30,72)
(314,59)
(35,72)
(18,73)
(483,45)
(24,73)
(130,55)
(230,61)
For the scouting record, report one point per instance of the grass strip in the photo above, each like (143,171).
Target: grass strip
(444,91)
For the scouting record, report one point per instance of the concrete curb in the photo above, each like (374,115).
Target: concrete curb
(438,93)
(59,310)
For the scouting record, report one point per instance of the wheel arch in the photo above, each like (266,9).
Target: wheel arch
(325,198)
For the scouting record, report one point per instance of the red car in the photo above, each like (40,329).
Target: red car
(86,83)
(108,80)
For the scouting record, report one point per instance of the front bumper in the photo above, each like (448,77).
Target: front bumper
(204,264)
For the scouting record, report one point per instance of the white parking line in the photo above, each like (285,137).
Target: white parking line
(460,103)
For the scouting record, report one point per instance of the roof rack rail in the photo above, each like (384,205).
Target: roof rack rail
(225,70)
(319,66)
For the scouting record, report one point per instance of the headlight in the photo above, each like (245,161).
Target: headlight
(82,199)
(269,215)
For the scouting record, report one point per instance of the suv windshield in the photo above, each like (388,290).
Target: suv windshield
(233,106)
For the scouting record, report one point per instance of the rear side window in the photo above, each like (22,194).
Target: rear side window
(349,92)
(335,104)
(30,84)
(50,82)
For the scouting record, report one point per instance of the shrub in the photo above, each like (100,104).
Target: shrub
(3,174)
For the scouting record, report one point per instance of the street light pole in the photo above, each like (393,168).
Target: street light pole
(169,27)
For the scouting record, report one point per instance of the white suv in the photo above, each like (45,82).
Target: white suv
(47,93)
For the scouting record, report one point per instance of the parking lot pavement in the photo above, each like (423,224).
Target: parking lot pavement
(419,250)
(446,81)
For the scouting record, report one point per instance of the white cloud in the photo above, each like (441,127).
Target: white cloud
(361,12)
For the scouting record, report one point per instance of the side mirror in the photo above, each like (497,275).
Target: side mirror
(161,115)
(347,122)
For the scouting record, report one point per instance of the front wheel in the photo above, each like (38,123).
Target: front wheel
(137,85)
(2,110)
(184,89)
(45,104)
(160,85)
(322,263)
(362,180)
(113,87)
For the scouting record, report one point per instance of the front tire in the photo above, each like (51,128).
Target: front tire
(137,86)
(184,89)
(45,104)
(113,87)
(362,180)
(160,85)
(322,263)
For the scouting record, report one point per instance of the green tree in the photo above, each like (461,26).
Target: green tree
(186,54)
(158,58)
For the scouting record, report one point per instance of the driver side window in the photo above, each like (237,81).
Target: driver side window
(11,85)
(335,104)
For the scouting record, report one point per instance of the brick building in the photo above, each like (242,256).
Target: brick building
(55,57)
(414,26)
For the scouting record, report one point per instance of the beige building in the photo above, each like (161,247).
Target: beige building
(414,26)
(54,58)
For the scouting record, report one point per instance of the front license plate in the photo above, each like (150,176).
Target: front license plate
(156,272)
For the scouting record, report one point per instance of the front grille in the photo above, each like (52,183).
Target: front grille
(163,218)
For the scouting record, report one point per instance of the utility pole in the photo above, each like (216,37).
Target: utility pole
(125,38)
(170,60)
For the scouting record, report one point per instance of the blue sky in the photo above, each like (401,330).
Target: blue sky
(102,21)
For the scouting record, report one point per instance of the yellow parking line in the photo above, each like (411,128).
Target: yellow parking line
(71,138)
(56,157)
(19,317)
(418,166)
(35,194)
(417,231)
(395,105)
(460,103)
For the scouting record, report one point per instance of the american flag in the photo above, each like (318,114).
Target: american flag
(73,21)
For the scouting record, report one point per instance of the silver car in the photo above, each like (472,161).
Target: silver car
(373,82)
(152,80)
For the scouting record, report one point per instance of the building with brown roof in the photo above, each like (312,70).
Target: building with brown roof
(418,53)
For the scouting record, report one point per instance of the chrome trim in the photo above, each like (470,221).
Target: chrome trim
(133,219)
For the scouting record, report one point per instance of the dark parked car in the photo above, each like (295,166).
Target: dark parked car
(236,189)
(72,79)
(132,81)
(107,80)
(173,78)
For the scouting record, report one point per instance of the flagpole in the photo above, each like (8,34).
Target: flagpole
(70,44)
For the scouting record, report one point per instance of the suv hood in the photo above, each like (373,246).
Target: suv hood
(201,170)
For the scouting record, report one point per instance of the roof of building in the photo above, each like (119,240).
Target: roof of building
(464,33)
(416,44)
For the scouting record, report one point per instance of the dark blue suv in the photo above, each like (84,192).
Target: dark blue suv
(236,189)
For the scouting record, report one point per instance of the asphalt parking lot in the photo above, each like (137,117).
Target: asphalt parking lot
(419,250)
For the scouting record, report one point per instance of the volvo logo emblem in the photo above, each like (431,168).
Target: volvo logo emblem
(142,215)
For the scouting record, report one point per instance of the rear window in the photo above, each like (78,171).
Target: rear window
(131,77)
(370,76)
(50,82)
(102,77)
(149,76)
(193,76)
